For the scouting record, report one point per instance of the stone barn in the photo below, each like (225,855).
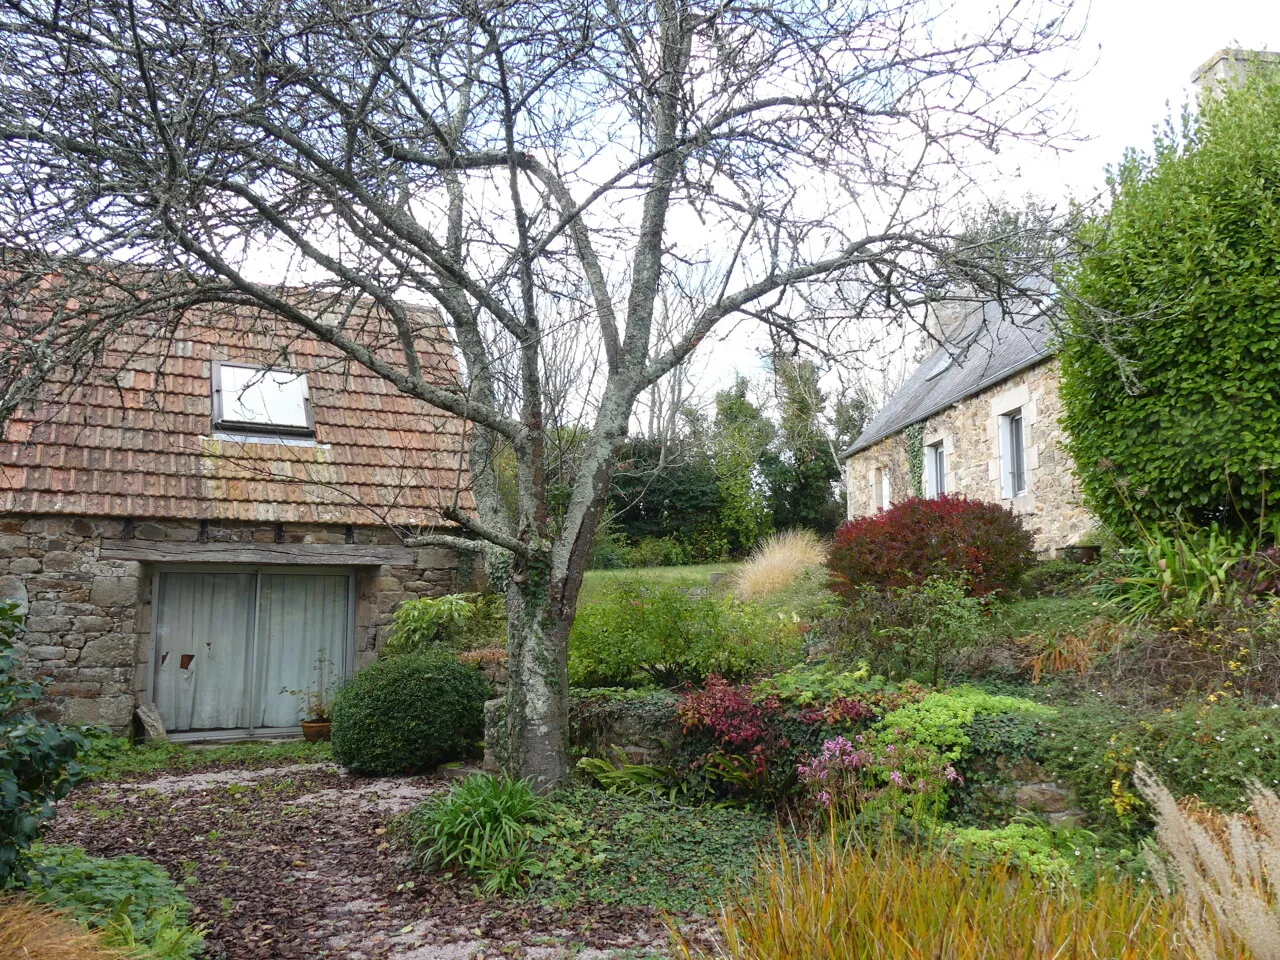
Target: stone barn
(215,515)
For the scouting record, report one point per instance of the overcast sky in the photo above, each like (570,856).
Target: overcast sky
(1145,53)
(1139,56)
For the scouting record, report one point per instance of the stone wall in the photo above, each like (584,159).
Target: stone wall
(88,620)
(970,434)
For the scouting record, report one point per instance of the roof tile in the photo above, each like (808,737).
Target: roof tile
(136,439)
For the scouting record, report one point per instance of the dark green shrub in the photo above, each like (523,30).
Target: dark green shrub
(408,713)
(480,827)
(666,635)
(1169,369)
(920,538)
(656,552)
(132,900)
(38,764)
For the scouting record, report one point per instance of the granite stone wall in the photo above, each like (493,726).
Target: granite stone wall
(88,620)
(970,434)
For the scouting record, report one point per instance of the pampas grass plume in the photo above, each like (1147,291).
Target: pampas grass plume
(776,563)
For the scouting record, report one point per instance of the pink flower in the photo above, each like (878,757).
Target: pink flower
(897,779)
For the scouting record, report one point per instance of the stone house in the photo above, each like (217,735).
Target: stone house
(978,417)
(214,516)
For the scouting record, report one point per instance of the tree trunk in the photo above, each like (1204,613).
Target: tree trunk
(533,740)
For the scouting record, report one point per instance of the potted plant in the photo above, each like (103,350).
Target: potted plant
(316,701)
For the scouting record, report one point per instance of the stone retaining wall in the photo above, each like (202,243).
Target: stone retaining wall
(88,620)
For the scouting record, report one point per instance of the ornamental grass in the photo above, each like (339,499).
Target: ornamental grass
(33,931)
(1226,868)
(848,900)
(776,563)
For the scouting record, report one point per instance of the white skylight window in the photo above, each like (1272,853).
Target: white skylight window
(940,363)
(261,400)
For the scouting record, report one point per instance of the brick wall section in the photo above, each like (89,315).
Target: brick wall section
(969,430)
(89,620)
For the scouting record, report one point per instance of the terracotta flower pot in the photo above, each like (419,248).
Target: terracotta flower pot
(315,730)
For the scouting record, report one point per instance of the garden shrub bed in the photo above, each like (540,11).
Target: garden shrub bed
(637,634)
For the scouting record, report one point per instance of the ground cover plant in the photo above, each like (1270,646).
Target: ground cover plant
(586,845)
(131,901)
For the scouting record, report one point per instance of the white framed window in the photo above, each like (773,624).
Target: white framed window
(935,469)
(881,493)
(1013,455)
(248,399)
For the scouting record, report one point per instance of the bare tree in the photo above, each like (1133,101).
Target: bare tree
(533,168)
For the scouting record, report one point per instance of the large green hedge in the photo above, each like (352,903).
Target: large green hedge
(1171,369)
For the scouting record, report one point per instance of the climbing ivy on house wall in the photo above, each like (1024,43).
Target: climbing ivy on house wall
(913,441)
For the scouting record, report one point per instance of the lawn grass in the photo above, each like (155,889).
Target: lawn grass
(695,575)
(1047,615)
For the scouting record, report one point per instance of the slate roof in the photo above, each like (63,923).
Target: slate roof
(135,439)
(995,344)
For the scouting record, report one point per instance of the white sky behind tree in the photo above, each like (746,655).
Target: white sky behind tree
(1133,67)
(1137,58)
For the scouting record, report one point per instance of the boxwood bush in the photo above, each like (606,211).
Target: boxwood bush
(408,713)
(923,537)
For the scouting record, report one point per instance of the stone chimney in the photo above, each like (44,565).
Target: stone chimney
(1229,68)
(951,321)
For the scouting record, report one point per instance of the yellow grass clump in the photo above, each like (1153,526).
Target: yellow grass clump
(776,563)
(33,931)
(851,901)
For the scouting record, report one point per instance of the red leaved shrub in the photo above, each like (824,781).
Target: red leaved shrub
(938,536)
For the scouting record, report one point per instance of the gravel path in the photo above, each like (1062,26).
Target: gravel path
(292,862)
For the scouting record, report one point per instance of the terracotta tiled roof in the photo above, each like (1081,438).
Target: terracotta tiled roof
(137,439)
